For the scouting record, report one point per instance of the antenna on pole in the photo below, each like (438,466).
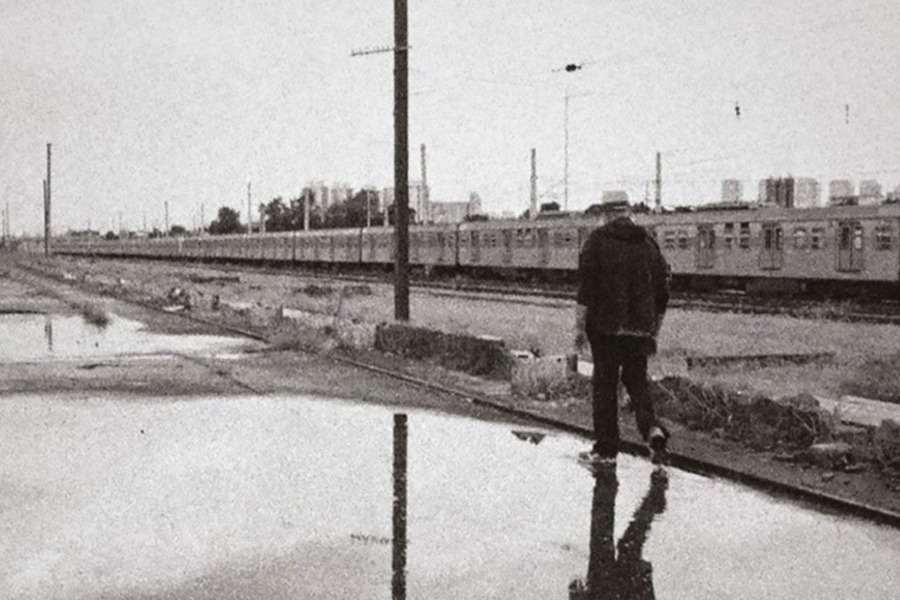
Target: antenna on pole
(377,50)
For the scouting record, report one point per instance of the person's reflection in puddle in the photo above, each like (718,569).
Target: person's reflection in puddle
(618,571)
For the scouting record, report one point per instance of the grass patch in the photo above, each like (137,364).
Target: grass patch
(314,290)
(877,378)
(304,337)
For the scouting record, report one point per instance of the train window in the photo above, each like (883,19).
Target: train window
(728,236)
(800,239)
(883,237)
(669,239)
(744,236)
(816,238)
(858,237)
(682,239)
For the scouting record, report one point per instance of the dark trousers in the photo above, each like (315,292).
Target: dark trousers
(614,355)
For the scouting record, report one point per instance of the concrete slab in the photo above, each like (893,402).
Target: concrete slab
(861,411)
(290,497)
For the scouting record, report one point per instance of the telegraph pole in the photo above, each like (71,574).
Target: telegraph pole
(658,182)
(532,214)
(47,207)
(249,215)
(566,159)
(401,160)
(426,205)
(401,156)
(166,234)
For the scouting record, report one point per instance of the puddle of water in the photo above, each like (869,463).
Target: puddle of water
(286,497)
(27,338)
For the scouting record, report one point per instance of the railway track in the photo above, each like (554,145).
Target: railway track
(562,295)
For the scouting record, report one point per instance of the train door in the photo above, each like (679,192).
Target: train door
(543,247)
(440,246)
(850,246)
(475,237)
(706,247)
(507,246)
(415,244)
(771,253)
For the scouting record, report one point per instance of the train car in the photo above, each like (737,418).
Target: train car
(314,246)
(794,250)
(346,245)
(433,246)
(545,246)
(846,250)
(377,246)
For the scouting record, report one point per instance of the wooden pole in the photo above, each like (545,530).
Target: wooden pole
(47,207)
(533,211)
(658,181)
(401,161)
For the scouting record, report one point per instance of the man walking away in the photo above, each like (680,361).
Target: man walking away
(622,296)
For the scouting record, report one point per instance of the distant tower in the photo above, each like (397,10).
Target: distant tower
(732,190)
(806,192)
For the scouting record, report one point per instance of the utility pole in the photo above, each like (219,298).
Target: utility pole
(47,207)
(202,218)
(401,160)
(401,157)
(368,208)
(166,233)
(426,205)
(249,216)
(566,159)
(307,202)
(658,182)
(532,213)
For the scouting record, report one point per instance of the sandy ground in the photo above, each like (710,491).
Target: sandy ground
(297,372)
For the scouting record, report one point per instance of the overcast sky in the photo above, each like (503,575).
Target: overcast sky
(186,101)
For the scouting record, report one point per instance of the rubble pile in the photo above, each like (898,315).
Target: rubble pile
(757,421)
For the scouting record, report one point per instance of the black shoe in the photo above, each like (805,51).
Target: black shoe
(657,441)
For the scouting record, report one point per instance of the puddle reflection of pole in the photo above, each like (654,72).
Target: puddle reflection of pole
(618,571)
(398,563)
(48,331)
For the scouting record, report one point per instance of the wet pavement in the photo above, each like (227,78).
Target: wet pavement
(37,337)
(291,497)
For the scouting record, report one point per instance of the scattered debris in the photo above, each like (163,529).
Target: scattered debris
(534,437)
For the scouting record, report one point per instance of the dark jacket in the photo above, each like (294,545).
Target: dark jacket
(623,281)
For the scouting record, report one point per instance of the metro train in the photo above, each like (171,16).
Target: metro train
(840,250)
